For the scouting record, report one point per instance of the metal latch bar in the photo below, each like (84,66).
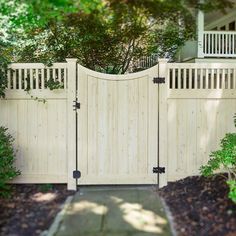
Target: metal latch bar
(158,80)
(158,170)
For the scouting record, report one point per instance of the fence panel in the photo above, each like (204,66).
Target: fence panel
(37,119)
(118,121)
(201,103)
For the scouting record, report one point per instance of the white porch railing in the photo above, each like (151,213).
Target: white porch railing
(219,44)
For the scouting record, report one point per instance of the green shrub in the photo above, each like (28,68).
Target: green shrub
(52,84)
(7,157)
(3,79)
(224,159)
(4,61)
(45,187)
(232,190)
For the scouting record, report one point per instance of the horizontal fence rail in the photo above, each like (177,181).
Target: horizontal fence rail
(219,43)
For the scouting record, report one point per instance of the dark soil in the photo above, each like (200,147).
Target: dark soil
(31,209)
(200,206)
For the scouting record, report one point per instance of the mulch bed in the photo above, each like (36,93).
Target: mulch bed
(200,206)
(31,209)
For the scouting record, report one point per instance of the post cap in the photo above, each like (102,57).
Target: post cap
(71,59)
(162,60)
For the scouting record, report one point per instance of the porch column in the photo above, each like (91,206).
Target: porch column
(200,33)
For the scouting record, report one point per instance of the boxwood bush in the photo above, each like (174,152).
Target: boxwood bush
(7,158)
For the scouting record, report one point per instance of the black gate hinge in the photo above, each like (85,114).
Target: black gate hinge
(158,170)
(76,105)
(76,174)
(158,80)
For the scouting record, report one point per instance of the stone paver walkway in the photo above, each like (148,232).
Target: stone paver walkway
(114,211)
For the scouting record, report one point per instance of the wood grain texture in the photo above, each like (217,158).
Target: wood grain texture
(198,118)
(118,121)
(120,129)
(39,128)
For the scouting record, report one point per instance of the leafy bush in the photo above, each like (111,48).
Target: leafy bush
(7,157)
(3,72)
(3,82)
(224,159)
(46,187)
(52,84)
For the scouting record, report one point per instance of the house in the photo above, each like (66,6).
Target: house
(216,38)
(215,41)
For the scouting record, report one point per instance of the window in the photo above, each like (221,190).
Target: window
(232,25)
(222,28)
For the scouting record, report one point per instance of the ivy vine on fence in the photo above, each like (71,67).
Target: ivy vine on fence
(50,83)
(3,78)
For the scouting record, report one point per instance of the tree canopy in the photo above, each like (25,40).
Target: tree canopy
(105,35)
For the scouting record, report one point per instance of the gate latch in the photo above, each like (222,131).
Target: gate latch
(158,80)
(76,105)
(76,174)
(158,170)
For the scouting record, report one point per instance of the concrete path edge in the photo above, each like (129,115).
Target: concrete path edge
(169,216)
(56,223)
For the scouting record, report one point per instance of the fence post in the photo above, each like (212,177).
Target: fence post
(71,122)
(163,72)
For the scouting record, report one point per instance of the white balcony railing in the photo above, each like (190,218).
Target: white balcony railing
(219,44)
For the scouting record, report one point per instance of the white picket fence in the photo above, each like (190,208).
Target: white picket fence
(118,121)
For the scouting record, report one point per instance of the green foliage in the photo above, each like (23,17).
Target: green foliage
(103,40)
(46,187)
(168,40)
(53,84)
(3,80)
(4,58)
(209,5)
(224,159)
(7,157)
(232,190)
(104,35)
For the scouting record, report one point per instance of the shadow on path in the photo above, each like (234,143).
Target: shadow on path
(115,211)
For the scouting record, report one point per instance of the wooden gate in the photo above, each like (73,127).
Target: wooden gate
(117,127)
